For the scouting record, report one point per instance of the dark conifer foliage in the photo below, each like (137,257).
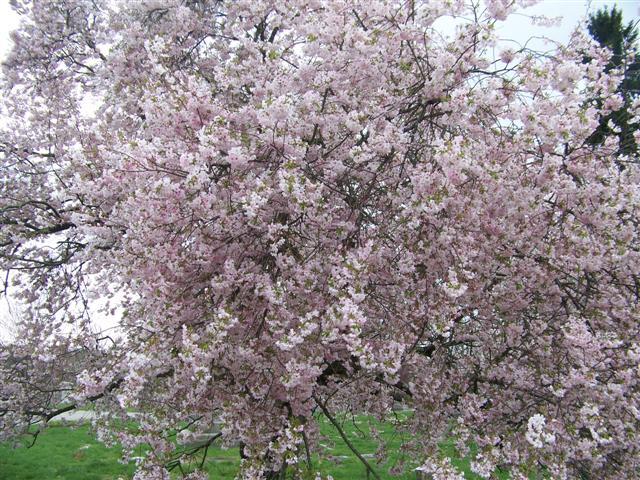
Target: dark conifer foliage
(607,27)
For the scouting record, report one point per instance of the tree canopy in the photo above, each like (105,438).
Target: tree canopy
(305,207)
(608,29)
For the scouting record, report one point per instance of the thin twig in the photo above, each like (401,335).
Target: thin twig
(335,423)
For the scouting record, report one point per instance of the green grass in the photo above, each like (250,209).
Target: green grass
(65,453)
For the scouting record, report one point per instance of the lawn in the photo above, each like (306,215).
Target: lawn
(63,453)
(66,453)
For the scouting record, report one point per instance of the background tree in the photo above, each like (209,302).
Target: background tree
(319,207)
(608,29)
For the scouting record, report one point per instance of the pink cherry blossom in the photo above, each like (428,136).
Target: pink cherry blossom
(300,208)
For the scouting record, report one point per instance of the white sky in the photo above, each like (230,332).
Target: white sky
(517,28)
(8,22)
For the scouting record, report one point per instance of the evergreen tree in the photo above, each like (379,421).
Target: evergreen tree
(608,29)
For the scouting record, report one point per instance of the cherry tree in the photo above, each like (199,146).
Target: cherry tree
(317,207)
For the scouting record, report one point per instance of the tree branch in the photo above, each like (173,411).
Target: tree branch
(48,416)
(324,409)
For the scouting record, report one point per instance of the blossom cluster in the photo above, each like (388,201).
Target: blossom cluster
(311,206)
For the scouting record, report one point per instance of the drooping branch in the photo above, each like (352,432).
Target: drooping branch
(337,426)
(177,462)
(68,408)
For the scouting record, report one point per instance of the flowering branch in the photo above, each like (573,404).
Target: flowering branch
(346,440)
